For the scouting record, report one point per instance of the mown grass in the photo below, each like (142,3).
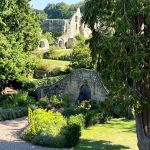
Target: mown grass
(117,134)
(49,65)
(61,52)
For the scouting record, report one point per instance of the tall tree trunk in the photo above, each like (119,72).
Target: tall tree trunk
(143,129)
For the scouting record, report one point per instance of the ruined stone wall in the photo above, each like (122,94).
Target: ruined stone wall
(69,28)
(54,25)
(71,84)
(75,23)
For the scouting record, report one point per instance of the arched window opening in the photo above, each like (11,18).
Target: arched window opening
(76,18)
(85,92)
(42,44)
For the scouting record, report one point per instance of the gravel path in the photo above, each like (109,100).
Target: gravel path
(9,136)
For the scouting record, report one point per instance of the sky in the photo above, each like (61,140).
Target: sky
(41,4)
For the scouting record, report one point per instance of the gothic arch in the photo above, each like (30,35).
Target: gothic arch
(85,92)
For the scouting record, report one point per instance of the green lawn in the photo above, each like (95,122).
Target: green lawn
(117,134)
(49,64)
(61,52)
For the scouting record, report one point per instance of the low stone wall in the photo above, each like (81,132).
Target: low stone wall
(72,83)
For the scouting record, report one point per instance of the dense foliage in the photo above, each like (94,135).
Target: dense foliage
(81,55)
(20,99)
(19,30)
(121,49)
(50,129)
(41,15)
(62,10)
(51,39)
(11,113)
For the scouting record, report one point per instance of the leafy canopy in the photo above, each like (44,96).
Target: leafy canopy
(80,56)
(19,32)
(121,46)
(62,10)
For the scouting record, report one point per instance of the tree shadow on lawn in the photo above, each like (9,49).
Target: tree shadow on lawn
(99,145)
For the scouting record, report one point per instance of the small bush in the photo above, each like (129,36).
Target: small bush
(72,134)
(49,141)
(49,123)
(69,111)
(94,105)
(8,114)
(91,118)
(27,134)
(56,102)
(43,103)
(80,110)
(77,119)
(65,100)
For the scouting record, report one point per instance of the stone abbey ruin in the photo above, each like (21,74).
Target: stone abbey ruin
(68,28)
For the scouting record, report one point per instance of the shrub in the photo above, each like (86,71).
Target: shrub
(77,119)
(28,134)
(6,101)
(21,99)
(56,102)
(8,114)
(65,100)
(49,122)
(43,103)
(81,110)
(50,129)
(91,118)
(69,111)
(80,56)
(72,134)
(49,141)
(94,105)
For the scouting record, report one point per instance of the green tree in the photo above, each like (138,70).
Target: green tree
(121,49)
(41,15)
(19,32)
(62,10)
(49,36)
(80,56)
(57,11)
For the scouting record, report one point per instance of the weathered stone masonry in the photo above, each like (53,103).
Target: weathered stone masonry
(69,28)
(72,83)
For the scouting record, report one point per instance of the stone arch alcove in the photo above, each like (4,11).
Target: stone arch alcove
(66,44)
(61,43)
(42,44)
(85,92)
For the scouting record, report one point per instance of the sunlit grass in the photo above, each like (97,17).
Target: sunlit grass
(61,52)
(117,134)
(50,65)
